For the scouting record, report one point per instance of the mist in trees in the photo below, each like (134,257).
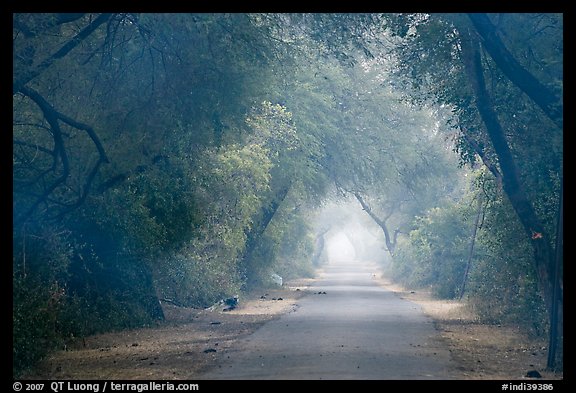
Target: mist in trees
(184,158)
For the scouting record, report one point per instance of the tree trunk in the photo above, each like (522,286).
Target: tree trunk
(319,247)
(258,230)
(511,183)
(471,248)
(488,163)
(557,318)
(390,243)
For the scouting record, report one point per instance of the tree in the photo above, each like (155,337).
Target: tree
(511,182)
(498,123)
(162,101)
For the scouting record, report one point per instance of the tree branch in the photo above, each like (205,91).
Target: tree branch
(20,82)
(34,146)
(89,130)
(53,117)
(545,98)
(48,21)
(487,161)
(390,244)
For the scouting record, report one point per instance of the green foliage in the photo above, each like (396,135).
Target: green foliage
(33,323)
(196,280)
(291,183)
(431,58)
(296,247)
(272,127)
(41,256)
(165,95)
(436,252)
(285,248)
(503,285)
(203,269)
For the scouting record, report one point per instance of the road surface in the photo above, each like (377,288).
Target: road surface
(357,330)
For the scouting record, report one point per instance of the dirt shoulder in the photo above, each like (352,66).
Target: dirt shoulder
(479,351)
(187,343)
(192,341)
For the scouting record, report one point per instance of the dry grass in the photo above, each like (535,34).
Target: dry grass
(479,351)
(187,343)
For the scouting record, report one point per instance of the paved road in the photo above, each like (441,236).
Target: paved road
(357,330)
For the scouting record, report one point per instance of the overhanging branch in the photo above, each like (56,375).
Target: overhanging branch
(545,98)
(20,82)
(390,243)
(53,117)
(487,161)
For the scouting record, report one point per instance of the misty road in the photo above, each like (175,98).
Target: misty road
(357,330)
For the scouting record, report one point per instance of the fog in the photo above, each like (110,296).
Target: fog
(339,248)
(349,234)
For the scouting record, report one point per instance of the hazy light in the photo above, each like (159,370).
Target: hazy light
(339,248)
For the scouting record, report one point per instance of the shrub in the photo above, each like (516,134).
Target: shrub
(503,284)
(436,251)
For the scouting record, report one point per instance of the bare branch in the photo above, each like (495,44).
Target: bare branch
(89,130)
(34,146)
(53,117)
(46,63)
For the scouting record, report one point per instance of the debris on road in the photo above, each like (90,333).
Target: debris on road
(533,374)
